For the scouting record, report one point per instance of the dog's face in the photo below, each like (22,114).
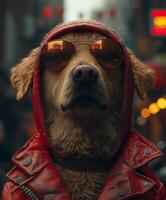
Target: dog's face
(84,87)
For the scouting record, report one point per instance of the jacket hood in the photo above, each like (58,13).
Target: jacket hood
(128,84)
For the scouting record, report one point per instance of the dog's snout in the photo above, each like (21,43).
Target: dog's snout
(84,73)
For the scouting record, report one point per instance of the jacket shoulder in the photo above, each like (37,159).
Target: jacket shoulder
(33,156)
(35,174)
(29,161)
(139,151)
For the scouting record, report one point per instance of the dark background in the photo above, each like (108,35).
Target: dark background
(22,27)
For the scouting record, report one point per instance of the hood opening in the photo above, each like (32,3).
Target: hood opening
(93,26)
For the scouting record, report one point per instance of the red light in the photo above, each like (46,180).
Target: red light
(155,31)
(158,22)
(47,13)
(111,13)
(157,12)
(158,19)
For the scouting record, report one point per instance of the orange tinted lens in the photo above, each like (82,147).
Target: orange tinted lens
(97,45)
(107,52)
(52,48)
(57,52)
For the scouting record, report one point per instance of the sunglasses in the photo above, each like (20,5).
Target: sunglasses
(57,53)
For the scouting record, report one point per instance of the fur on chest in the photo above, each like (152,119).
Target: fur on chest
(83,185)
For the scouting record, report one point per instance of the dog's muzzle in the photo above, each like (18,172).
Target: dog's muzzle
(86,92)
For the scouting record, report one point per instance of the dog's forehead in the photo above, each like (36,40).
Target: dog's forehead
(77,36)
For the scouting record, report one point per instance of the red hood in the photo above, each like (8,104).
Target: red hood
(125,120)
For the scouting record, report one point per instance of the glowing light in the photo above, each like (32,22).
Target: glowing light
(145,113)
(161,103)
(47,12)
(153,108)
(160,21)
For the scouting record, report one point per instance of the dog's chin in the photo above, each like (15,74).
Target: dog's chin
(84,105)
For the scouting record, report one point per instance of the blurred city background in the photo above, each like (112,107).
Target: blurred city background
(142,25)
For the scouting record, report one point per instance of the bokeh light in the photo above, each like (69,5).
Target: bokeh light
(145,113)
(153,108)
(161,103)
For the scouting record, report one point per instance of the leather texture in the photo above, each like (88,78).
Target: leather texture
(35,170)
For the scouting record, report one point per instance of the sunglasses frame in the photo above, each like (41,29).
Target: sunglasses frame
(89,43)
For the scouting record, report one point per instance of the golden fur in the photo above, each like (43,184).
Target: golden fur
(80,133)
(21,74)
(143,76)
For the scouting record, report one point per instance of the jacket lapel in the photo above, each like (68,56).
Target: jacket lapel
(125,182)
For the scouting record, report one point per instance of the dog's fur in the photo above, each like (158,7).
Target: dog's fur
(73,131)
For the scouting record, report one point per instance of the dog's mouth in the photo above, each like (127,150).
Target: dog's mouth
(84,102)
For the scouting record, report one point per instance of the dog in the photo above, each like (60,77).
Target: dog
(82,92)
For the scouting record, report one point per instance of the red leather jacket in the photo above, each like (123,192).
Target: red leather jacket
(35,175)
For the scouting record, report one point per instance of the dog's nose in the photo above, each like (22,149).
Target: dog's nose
(85,73)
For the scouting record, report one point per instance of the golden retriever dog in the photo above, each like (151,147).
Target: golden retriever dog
(83,101)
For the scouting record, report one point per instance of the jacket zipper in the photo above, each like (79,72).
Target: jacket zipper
(29,193)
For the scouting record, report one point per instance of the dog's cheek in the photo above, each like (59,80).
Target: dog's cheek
(114,82)
(60,90)
(49,85)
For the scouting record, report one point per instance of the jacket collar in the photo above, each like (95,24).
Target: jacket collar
(139,151)
(34,156)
